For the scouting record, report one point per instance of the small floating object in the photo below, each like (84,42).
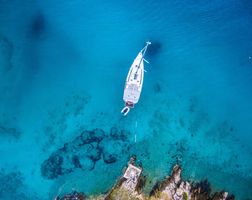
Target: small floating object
(134,81)
(125,110)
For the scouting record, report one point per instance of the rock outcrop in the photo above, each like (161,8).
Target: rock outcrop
(171,188)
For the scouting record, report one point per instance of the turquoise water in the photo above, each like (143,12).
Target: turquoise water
(63,67)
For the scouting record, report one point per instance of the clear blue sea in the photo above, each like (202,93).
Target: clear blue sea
(63,66)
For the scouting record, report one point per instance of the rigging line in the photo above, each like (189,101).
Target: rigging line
(143,51)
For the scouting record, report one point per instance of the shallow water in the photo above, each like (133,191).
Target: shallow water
(63,67)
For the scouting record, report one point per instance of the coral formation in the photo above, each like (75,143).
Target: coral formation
(85,150)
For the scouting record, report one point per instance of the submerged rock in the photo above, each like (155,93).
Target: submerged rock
(220,196)
(87,163)
(116,134)
(71,196)
(231,197)
(91,150)
(201,190)
(66,160)
(109,158)
(76,161)
(51,168)
(112,152)
(92,136)
(84,151)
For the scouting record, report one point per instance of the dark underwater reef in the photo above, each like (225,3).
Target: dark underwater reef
(85,150)
(12,187)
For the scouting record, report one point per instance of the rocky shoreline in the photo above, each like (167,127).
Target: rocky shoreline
(130,186)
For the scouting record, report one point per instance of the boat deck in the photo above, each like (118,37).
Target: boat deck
(134,81)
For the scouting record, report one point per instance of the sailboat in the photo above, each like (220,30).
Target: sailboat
(134,81)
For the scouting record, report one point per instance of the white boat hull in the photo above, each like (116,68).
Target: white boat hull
(134,81)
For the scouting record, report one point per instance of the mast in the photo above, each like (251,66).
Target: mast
(145,48)
(143,51)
